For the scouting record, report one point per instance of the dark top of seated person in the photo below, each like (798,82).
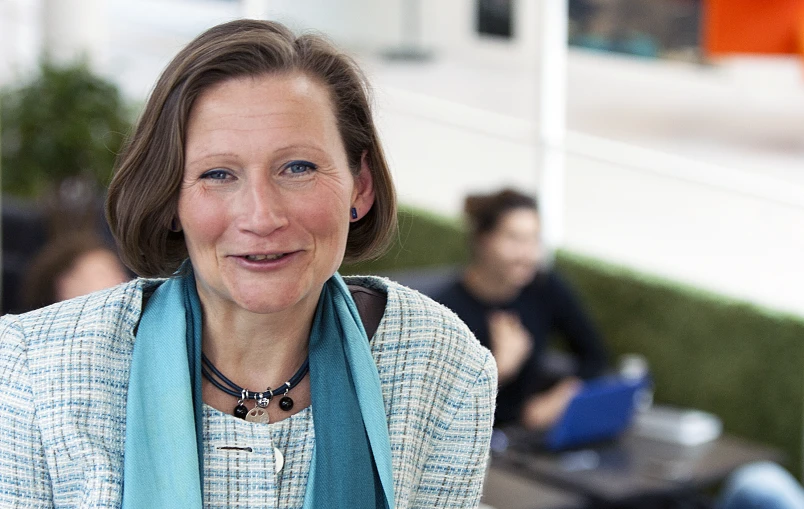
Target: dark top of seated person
(513,305)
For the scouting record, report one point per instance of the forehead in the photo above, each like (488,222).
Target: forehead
(519,220)
(279,105)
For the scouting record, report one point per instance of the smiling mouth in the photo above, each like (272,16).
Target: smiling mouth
(262,258)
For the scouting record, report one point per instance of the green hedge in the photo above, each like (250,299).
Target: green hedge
(739,361)
(423,240)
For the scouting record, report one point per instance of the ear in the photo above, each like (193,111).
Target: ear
(363,193)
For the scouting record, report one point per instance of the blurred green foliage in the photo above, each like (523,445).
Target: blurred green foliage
(423,240)
(66,122)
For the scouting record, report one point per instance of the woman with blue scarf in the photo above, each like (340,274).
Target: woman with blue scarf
(242,370)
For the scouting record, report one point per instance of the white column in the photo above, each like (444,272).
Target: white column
(75,28)
(551,117)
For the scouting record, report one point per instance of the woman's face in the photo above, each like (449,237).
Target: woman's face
(513,250)
(267,192)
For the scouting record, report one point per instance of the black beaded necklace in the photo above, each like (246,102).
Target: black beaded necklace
(262,398)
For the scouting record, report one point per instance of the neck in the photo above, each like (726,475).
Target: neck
(486,285)
(257,351)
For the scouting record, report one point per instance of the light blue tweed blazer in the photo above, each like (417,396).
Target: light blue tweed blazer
(64,377)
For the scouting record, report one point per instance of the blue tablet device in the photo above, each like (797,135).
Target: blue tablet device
(600,411)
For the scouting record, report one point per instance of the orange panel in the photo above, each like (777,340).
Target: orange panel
(752,26)
(800,38)
(801,35)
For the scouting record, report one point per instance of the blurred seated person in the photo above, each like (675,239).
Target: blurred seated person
(69,266)
(513,303)
(762,485)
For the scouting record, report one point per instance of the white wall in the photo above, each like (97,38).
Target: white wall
(20,38)
(369,24)
(439,151)
(449,28)
(714,228)
(76,29)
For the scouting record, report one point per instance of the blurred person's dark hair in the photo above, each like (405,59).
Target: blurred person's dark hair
(484,211)
(46,277)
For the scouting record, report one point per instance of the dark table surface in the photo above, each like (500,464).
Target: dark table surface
(508,486)
(633,467)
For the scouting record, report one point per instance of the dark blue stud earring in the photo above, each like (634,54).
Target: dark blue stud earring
(354,213)
(174,227)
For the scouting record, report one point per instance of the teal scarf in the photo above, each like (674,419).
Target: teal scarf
(163,464)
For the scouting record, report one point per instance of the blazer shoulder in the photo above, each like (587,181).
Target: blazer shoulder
(422,321)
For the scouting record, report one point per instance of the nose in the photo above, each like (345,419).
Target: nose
(528,250)
(261,209)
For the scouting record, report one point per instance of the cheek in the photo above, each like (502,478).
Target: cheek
(328,226)
(201,221)
(500,250)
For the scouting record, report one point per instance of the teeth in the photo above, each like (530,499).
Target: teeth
(259,258)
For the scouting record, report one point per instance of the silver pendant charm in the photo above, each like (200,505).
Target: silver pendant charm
(257,414)
(262,401)
(279,459)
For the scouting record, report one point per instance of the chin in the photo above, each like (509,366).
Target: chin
(275,296)
(521,280)
(265,299)
(263,306)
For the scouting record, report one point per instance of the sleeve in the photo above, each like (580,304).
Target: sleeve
(454,471)
(574,324)
(24,478)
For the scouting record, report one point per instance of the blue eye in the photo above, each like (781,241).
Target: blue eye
(298,168)
(215,175)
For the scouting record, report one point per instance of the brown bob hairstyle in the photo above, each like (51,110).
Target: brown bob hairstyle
(143,195)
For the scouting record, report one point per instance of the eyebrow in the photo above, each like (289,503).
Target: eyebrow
(287,148)
(297,146)
(212,154)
